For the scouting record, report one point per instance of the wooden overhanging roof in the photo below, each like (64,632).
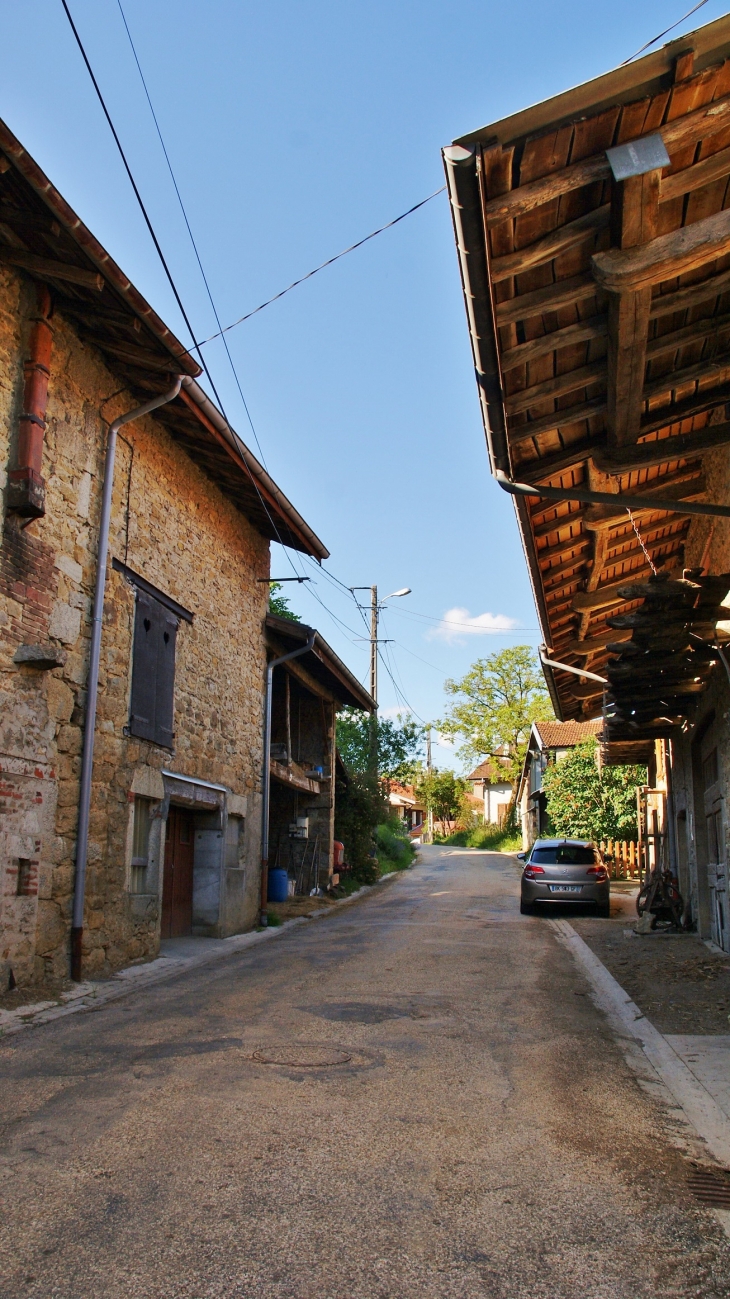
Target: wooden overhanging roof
(321,665)
(599,314)
(42,236)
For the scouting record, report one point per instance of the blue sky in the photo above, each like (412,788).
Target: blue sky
(295,129)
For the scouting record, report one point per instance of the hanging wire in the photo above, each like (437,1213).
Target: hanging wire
(323,265)
(189,230)
(640,540)
(664,33)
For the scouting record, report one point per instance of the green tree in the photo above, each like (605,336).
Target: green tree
(585,803)
(399,744)
(279,604)
(443,793)
(495,705)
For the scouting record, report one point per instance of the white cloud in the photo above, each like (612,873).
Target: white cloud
(458,623)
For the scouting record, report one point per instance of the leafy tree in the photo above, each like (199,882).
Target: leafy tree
(361,804)
(279,604)
(443,793)
(585,803)
(496,703)
(399,744)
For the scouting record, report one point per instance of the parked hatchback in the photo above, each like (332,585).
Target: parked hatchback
(564,870)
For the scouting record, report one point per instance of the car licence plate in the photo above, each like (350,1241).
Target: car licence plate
(565,888)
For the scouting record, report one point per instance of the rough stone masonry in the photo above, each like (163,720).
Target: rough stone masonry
(177,529)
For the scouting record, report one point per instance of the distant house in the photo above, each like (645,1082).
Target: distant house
(406,804)
(492,790)
(549,742)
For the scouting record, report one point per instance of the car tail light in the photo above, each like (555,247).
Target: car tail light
(600,873)
(531,872)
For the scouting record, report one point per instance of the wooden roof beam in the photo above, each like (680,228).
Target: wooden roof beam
(564,293)
(556,419)
(634,212)
(623,270)
(45,268)
(689,129)
(582,331)
(585,377)
(551,245)
(647,454)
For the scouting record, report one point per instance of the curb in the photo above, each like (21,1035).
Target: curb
(93,995)
(700,1108)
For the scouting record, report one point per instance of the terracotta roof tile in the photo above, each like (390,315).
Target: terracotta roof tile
(564,735)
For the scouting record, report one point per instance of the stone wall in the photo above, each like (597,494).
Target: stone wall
(175,527)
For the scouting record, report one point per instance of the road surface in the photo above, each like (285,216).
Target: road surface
(413,1097)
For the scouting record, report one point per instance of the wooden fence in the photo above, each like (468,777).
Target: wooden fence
(621,858)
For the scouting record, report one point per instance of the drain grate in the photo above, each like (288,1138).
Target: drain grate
(711,1188)
(303,1056)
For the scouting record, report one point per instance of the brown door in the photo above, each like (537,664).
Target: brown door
(177,882)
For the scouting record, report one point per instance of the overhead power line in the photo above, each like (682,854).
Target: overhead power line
(664,33)
(322,266)
(188,227)
(138,196)
(168,273)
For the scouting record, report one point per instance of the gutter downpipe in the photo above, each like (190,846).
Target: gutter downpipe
(87,760)
(266,780)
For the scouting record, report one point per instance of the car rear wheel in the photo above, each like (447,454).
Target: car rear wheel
(603,910)
(526,908)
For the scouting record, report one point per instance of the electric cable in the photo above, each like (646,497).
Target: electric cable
(169,275)
(189,229)
(322,266)
(664,33)
(138,196)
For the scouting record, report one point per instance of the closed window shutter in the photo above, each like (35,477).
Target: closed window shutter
(144,666)
(165,693)
(153,671)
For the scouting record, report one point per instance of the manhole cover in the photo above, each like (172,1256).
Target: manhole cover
(302,1056)
(711,1188)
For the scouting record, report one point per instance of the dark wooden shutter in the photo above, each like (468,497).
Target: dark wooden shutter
(153,671)
(165,693)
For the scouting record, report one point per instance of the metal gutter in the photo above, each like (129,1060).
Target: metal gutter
(325,654)
(465,200)
(711,44)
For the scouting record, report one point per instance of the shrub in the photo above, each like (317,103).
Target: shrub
(585,803)
(395,850)
(361,805)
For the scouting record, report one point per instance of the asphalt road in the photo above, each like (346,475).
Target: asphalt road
(469,1128)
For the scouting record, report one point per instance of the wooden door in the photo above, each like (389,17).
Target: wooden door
(177,882)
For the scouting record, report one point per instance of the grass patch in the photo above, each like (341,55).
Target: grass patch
(272,920)
(488,837)
(394,848)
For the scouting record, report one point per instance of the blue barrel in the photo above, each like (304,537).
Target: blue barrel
(278,886)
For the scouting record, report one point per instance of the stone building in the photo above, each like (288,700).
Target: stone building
(174,826)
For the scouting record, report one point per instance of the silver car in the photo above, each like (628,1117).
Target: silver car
(564,870)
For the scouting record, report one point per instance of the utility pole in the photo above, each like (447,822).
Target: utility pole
(374,615)
(428,769)
(374,643)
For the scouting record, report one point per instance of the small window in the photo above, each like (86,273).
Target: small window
(565,855)
(140,845)
(153,671)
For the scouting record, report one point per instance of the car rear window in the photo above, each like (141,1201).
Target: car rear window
(565,854)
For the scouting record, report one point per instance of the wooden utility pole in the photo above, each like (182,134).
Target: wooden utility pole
(374,643)
(428,769)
